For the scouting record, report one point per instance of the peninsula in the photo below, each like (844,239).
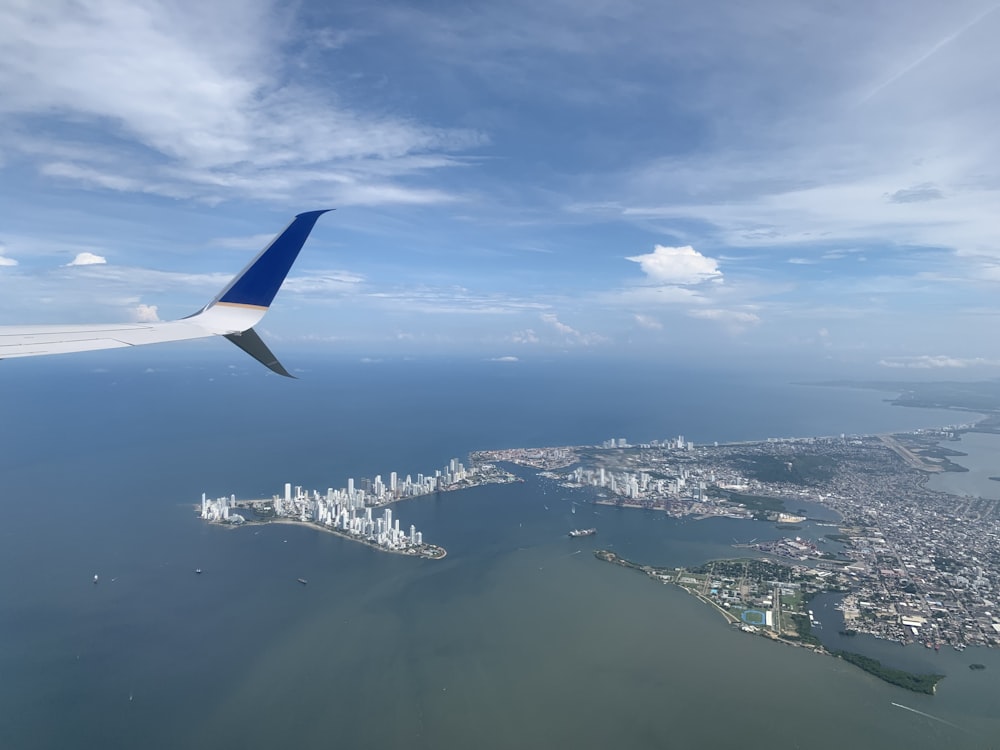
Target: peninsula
(770,599)
(348,512)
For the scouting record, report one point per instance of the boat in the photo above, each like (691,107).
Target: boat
(582,532)
(303,581)
(95,577)
(198,571)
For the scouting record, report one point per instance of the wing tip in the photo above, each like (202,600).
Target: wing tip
(251,342)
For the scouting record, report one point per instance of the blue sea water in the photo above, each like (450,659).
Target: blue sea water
(519,637)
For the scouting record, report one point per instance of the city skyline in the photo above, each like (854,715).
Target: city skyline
(787,185)
(349,510)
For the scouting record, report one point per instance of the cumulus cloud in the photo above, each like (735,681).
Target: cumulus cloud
(736,320)
(146,314)
(87,259)
(569,332)
(678,265)
(646,321)
(554,321)
(527,336)
(4,260)
(935,362)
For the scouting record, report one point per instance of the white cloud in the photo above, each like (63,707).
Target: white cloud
(554,321)
(87,259)
(504,359)
(647,321)
(251,242)
(527,336)
(678,265)
(571,334)
(323,282)
(146,314)
(735,320)
(4,260)
(217,106)
(655,295)
(936,362)
(450,301)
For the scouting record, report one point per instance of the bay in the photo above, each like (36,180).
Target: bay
(982,461)
(519,637)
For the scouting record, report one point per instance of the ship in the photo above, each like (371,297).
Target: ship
(303,581)
(583,532)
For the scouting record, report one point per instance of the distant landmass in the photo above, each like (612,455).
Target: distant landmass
(982,397)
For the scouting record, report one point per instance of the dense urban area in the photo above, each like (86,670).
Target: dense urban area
(914,564)
(348,511)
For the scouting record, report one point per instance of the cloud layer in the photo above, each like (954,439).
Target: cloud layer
(218,107)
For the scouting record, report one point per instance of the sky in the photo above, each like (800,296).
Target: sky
(802,184)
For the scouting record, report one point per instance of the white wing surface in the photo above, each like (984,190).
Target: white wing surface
(232,314)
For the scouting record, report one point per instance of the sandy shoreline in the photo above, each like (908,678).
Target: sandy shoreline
(337,532)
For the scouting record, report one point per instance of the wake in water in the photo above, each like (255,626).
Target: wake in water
(934,718)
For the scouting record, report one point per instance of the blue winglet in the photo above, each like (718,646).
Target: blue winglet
(257,284)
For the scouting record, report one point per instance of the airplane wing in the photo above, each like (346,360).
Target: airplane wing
(233,313)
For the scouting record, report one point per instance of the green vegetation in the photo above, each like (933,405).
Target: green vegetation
(792,603)
(803,629)
(918,683)
(799,469)
(752,568)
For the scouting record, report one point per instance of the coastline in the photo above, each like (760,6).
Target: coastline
(918,683)
(432,551)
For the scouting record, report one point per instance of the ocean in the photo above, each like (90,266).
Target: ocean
(520,637)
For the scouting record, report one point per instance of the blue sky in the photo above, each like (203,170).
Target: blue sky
(805,183)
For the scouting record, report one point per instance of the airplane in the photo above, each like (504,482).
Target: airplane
(232,314)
